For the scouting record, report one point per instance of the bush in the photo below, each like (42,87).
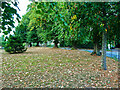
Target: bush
(73,48)
(14,44)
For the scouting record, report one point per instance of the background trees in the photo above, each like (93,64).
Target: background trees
(32,37)
(72,26)
(53,21)
(21,31)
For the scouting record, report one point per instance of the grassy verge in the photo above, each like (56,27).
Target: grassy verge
(50,67)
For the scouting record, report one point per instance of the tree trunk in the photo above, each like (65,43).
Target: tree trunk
(45,44)
(74,45)
(55,45)
(37,44)
(96,50)
(104,51)
(104,41)
(30,44)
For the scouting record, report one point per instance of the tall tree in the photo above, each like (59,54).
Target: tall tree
(78,29)
(32,37)
(101,15)
(48,19)
(97,16)
(21,31)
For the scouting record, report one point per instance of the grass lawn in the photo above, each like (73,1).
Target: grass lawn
(40,67)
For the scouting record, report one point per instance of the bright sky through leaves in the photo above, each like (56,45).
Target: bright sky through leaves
(23,6)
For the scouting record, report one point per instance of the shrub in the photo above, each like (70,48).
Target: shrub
(14,44)
(73,48)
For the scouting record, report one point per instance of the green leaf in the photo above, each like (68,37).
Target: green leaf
(39,6)
(38,11)
(5,32)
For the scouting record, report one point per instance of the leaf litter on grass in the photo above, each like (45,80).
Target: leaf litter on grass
(48,67)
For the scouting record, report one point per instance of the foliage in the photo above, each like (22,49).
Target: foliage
(104,17)
(70,22)
(14,44)
(52,21)
(2,40)
(7,19)
(32,37)
(21,31)
(51,25)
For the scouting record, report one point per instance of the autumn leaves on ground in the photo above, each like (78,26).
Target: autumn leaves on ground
(40,67)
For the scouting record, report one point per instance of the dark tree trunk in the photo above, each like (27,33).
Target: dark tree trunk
(30,44)
(74,47)
(98,53)
(55,45)
(96,49)
(45,44)
(37,44)
(74,44)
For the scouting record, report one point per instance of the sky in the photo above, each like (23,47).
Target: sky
(22,6)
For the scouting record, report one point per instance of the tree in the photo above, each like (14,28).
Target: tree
(32,37)
(26,31)
(22,28)
(75,23)
(97,15)
(48,20)
(78,29)
(97,40)
(113,24)
(21,31)
(102,14)
(7,19)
